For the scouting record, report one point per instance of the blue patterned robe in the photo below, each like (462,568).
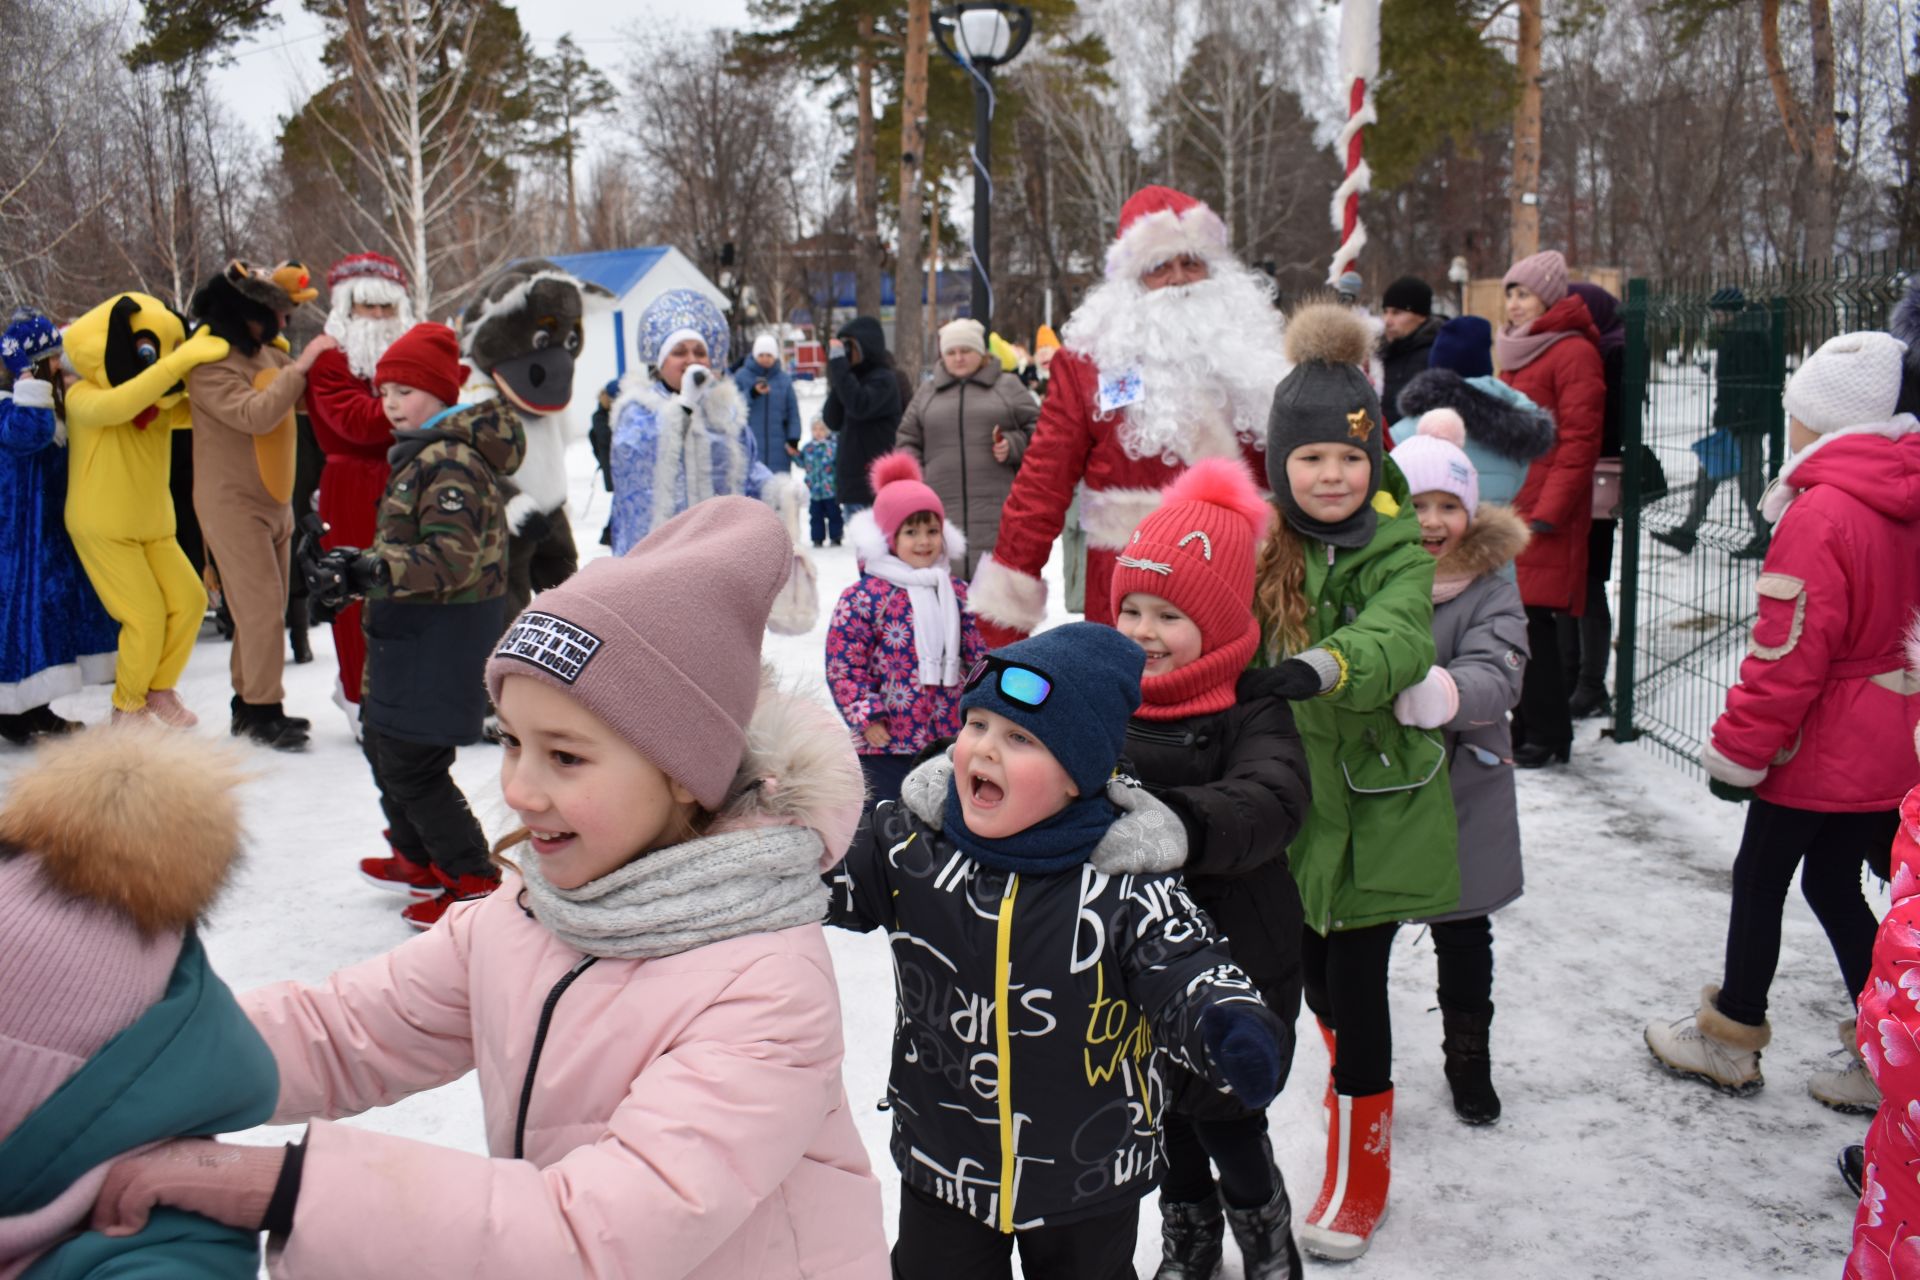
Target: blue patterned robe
(665,460)
(54,634)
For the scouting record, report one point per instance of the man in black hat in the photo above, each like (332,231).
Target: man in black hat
(1408,330)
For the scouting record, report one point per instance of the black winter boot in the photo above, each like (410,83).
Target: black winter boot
(1265,1237)
(268,725)
(1190,1239)
(1469,1065)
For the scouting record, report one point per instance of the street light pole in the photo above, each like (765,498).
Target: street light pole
(981,35)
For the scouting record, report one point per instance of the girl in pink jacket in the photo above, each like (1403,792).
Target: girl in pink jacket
(648,1000)
(1816,735)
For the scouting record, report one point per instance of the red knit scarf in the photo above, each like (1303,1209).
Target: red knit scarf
(1202,687)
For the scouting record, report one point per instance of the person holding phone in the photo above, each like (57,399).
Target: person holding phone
(773,411)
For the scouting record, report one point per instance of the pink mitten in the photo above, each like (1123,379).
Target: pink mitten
(227,1182)
(1433,702)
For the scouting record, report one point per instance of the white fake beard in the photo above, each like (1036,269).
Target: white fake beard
(1209,356)
(364,339)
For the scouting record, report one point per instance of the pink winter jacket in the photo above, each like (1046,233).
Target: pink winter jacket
(1824,712)
(687,1118)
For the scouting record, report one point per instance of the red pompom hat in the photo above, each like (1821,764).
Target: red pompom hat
(1197,552)
(427,358)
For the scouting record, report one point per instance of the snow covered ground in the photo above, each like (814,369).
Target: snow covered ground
(1602,1166)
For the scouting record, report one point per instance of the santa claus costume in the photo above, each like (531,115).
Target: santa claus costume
(352,429)
(1148,382)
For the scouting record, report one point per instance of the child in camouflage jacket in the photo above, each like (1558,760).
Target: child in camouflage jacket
(436,581)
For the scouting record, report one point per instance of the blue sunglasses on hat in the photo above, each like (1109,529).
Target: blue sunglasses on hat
(1018,683)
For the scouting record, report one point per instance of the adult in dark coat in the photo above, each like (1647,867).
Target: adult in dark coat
(1586,642)
(863,406)
(1406,339)
(1746,394)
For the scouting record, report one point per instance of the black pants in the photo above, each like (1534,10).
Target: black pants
(939,1242)
(1833,846)
(1586,643)
(1346,986)
(427,817)
(1236,1147)
(1464,949)
(1542,718)
(823,517)
(1752,476)
(539,564)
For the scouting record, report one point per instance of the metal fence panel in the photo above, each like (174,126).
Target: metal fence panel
(1706,360)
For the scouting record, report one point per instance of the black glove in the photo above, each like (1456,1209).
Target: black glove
(1244,1041)
(1293,680)
(535,527)
(339,577)
(1727,791)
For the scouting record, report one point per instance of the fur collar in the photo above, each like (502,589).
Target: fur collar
(1521,433)
(721,409)
(799,770)
(137,817)
(863,533)
(1494,539)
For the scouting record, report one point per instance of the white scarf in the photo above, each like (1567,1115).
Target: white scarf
(687,895)
(936,616)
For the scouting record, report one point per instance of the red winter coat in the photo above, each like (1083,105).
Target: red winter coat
(1889,1038)
(352,430)
(1074,445)
(1568,381)
(1824,712)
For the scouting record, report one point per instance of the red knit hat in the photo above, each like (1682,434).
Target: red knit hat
(1197,552)
(427,358)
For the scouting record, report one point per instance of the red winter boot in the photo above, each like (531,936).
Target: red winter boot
(1353,1199)
(426,913)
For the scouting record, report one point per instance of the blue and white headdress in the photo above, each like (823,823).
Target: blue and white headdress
(678,314)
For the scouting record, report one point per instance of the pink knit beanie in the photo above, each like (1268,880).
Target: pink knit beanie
(1434,459)
(663,643)
(900,492)
(1544,275)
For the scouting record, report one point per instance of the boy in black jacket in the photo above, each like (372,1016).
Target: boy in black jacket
(1049,968)
(1234,772)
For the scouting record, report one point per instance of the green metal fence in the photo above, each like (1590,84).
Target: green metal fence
(1706,360)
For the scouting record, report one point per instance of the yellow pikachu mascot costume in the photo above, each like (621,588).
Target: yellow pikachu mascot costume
(131,356)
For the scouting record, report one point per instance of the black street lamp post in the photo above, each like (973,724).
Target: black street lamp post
(981,35)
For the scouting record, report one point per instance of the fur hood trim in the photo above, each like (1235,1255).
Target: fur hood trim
(1507,429)
(799,770)
(139,818)
(1494,539)
(863,534)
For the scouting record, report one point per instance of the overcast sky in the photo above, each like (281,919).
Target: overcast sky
(266,79)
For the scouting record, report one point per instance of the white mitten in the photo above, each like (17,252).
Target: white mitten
(694,385)
(1433,702)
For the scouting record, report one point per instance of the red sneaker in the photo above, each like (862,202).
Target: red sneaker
(398,874)
(426,913)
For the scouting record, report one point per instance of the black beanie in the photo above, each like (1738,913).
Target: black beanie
(1326,399)
(1409,293)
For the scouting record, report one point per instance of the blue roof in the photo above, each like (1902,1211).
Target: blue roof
(617,270)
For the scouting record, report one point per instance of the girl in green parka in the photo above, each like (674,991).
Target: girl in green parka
(1345,599)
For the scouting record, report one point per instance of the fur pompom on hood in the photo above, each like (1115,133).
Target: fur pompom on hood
(1328,333)
(139,818)
(799,770)
(1508,429)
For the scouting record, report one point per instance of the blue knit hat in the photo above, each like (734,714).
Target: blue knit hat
(1464,345)
(1094,674)
(29,338)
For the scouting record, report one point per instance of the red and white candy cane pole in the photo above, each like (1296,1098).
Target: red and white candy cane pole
(1359,68)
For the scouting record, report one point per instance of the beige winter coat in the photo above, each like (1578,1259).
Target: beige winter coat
(949,426)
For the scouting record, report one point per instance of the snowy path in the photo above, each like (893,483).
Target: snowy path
(1601,1167)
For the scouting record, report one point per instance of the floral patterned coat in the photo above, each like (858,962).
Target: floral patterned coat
(873,669)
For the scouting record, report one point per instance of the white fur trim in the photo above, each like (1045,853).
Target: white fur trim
(1111,515)
(1781,493)
(1163,235)
(673,340)
(1007,597)
(863,535)
(33,393)
(786,493)
(1734,775)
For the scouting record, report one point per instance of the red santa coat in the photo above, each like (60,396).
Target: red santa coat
(352,430)
(1569,382)
(1075,447)
(1824,713)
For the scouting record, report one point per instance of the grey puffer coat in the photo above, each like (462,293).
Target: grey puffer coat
(1480,637)
(948,428)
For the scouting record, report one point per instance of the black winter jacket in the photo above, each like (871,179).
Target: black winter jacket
(863,408)
(1238,781)
(1402,359)
(1036,1013)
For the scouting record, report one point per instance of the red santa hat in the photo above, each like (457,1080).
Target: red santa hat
(366,277)
(1159,223)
